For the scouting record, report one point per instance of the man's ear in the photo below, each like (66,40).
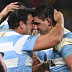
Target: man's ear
(21,24)
(49,21)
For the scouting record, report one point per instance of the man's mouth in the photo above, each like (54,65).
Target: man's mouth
(39,31)
(32,30)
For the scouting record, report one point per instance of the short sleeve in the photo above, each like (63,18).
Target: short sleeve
(4,26)
(29,43)
(66,51)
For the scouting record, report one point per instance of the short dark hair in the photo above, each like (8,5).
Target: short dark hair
(44,11)
(18,15)
(21,5)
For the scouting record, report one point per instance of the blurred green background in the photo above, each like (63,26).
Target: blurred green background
(65,6)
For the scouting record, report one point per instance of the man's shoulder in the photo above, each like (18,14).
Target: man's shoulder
(67,34)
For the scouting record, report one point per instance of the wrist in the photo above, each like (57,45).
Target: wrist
(61,19)
(4,12)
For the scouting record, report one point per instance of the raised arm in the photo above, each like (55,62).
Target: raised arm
(54,36)
(8,9)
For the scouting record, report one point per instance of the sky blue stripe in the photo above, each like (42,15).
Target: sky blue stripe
(42,55)
(66,50)
(53,54)
(62,68)
(10,55)
(29,43)
(68,35)
(22,60)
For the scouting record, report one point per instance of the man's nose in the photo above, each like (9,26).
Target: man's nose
(34,26)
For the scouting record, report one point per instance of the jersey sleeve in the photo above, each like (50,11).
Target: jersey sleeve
(29,43)
(65,46)
(66,51)
(4,26)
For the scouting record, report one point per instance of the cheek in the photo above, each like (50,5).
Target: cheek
(44,26)
(30,27)
(49,29)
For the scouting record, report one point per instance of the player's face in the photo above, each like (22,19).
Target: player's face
(42,26)
(29,26)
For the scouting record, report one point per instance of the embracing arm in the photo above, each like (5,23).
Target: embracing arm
(54,36)
(8,9)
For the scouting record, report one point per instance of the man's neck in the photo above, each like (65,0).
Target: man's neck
(17,30)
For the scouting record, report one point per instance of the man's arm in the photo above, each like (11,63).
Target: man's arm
(8,9)
(36,60)
(54,36)
(68,61)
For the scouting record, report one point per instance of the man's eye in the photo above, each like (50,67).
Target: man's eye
(32,22)
(36,23)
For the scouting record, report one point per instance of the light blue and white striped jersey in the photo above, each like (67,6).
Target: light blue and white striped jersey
(42,55)
(4,26)
(56,55)
(18,51)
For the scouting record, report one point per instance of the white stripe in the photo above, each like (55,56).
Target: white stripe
(47,49)
(57,61)
(66,31)
(2,33)
(42,61)
(3,23)
(64,42)
(29,61)
(11,62)
(11,33)
(18,46)
(44,50)
(6,46)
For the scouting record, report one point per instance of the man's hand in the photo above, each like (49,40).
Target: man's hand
(9,8)
(36,60)
(42,67)
(58,16)
(38,66)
